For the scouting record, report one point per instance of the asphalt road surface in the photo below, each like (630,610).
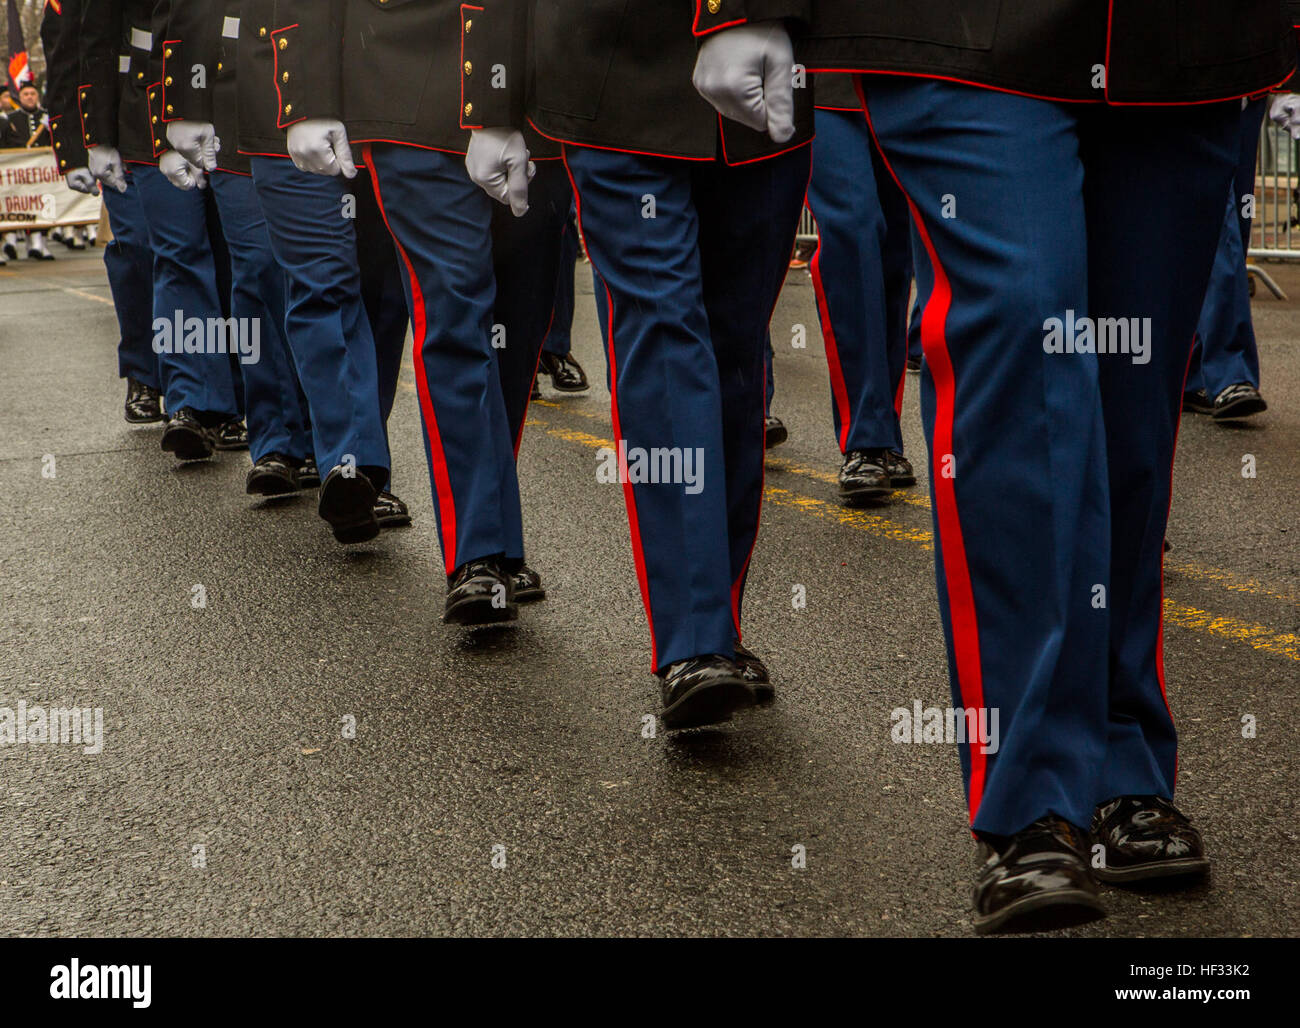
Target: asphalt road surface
(228,799)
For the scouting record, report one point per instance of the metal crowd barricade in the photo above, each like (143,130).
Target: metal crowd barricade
(807,233)
(1275,235)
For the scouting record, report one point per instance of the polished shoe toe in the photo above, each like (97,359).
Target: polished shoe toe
(754,671)
(566,373)
(143,403)
(1036,880)
(347,502)
(1146,837)
(528,585)
(271,475)
(186,436)
(1239,400)
(480,593)
(390,511)
(774,432)
(308,473)
(900,470)
(864,477)
(703,691)
(231,435)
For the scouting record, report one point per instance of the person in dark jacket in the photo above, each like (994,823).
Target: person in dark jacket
(128,259)
(862,274)
(25,127)
(1066,164)
(193,93)
(689,224)
(119,101)
(480,286)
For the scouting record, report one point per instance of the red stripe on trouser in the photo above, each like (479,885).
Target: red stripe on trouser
(629,498)
(898,393)
(961,594)
(839,388)
(419,321)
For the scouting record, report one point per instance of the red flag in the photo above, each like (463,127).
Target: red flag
(20,71)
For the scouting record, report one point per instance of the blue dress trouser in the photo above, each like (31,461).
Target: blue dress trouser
(1226,352)
(128,259)
(559,339)
(862,274)
(185,284)
(689,290)
(524,251)
(480,308)
(311,221)
(1051,465)
(274,408)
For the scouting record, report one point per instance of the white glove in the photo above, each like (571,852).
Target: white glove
(497,162)
(747,74)
(1285,110)
(321,145)
(105,164)
(180,172)
(82,181)
(196,141)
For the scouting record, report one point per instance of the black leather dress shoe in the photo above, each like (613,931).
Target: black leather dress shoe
(187,437)
(391,512)
(703,691)
(1198,402)
(1036,880)
(480,593)
(901,472)
(1240,400)
(1147,837)
(271,475)
(347,502)
(308,474)
(143,403)
(566,373)
(914,365)
(231,435)
(528,585)
(774,432)
(754,671)
(864,477)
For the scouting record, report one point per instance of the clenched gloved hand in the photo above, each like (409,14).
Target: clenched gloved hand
(82,181)
(105,163)
(497,162)
(196,141)
(747,74)
(321,145)
(1285,110)
(180,172)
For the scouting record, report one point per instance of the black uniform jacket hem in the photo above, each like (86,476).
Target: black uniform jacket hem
(1119,52)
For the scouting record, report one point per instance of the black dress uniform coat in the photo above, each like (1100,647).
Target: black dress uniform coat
(60,29)
(606,73)
(120,92)
(1151,51)
(200,59)
(388,69)
(22,125)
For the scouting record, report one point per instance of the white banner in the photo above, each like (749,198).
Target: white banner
(34,195)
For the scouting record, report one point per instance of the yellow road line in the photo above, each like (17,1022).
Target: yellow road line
(1259,637)
(1284,644)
